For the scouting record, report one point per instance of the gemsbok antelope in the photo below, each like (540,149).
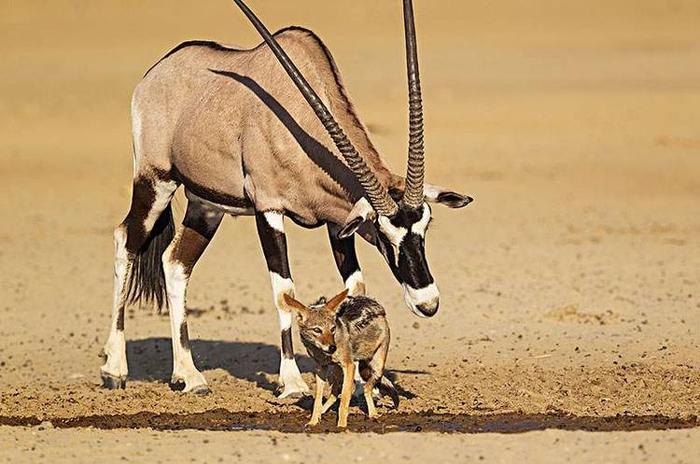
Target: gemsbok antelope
(227,125)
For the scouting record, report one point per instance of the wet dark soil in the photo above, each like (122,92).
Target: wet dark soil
(222,420)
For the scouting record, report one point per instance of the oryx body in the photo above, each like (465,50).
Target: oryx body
(227,125)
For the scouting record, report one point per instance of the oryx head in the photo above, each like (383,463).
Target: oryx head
(399,224)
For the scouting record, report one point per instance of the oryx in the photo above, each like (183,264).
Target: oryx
(227,125)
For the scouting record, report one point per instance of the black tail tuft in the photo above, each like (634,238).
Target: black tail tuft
(147,278)
(386,388)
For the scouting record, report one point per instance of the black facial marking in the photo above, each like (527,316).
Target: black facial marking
(287,347)
(274,245)
(184,336)
(413,265)
(410,267)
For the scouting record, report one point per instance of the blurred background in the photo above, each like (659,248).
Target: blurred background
(574,124)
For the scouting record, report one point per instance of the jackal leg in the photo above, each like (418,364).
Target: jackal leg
(150,199)
(346,261)
(372,372)
(318,401)
(270,226)
(346,393)
(199,226)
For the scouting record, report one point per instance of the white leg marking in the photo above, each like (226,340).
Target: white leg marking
(163,194)
(115,348)
(275,220)
(413,297)
(355,284)
(176,280)
(290,377)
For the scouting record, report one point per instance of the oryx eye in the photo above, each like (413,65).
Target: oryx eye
(317,330)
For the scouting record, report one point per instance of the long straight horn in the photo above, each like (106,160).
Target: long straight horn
(415,174)
(376,193)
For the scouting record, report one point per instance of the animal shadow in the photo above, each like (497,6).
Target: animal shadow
(151,359)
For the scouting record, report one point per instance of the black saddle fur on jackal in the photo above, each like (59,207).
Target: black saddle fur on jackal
(146,281)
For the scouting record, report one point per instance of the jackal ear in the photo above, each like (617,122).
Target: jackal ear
(437,194)
(361,212)
(296,306)
(334,303)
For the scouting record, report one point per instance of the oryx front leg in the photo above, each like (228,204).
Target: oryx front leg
(200,224)
(346,261)
(270,226)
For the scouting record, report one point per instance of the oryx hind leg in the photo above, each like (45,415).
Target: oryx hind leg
(270,226)
(200,224)
(138,241)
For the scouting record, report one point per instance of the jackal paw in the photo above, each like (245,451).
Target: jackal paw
(312,422)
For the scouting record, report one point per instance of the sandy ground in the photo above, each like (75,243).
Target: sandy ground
(570,287)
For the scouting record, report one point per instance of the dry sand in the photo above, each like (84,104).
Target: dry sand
(571,293)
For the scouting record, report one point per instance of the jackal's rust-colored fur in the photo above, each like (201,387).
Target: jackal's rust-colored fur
(337,334)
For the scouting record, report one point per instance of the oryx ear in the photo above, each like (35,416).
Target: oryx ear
(298,307)
(334,302)
(361,212)
(436,194)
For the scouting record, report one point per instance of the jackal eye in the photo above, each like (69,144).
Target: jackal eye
(332,329)
(317,330)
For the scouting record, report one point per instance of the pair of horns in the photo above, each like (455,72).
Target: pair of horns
(376,193)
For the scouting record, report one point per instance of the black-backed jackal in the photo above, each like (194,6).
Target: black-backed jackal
(337,334)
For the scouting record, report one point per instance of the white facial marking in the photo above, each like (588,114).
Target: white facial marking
(275,220)
(280,286)
(422,225)
(394,234)
(420,296)
(355,284)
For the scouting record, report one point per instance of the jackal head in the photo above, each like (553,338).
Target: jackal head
(317,322)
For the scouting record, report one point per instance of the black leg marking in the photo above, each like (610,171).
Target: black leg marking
(287,348)
(274,245)
(184,336)
(120,319)
(344,253)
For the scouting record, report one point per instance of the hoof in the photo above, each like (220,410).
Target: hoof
(292,393)
(201,390)
(180,385)
(112,382)
(177,385)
